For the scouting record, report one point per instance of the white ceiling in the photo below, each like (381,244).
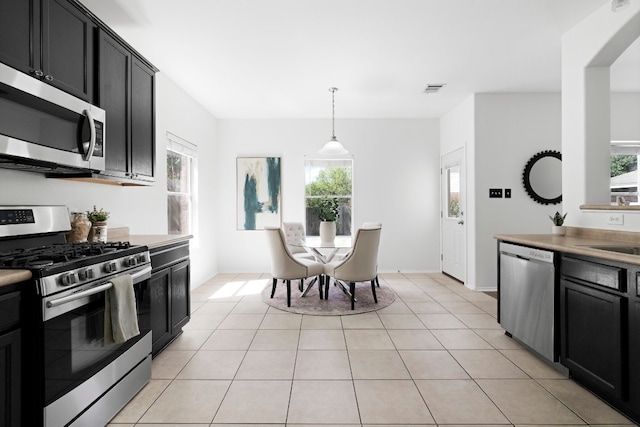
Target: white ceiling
(278,58)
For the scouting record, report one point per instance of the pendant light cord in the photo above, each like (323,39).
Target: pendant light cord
(333,111)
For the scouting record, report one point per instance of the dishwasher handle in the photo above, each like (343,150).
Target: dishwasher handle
(527,253)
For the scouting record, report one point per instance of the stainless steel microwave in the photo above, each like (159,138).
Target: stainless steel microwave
(44,129)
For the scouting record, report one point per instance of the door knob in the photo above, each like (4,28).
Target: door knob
(461,222)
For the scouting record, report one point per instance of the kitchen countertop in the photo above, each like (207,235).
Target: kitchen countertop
(152,241)
(156,241)
(577,241)
(9,277)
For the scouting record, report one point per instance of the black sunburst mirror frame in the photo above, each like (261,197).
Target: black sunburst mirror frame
(527,181)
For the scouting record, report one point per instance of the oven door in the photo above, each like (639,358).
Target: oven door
(74,347)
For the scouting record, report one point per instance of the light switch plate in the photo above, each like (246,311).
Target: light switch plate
(495,193)
(615,219)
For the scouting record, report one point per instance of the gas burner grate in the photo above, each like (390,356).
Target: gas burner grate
(57,253)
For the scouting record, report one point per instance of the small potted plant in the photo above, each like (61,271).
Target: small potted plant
(558,221)
(98,218)
(328,213)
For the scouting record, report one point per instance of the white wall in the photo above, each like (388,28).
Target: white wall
(142,209)
(457,130)
(625,116)
(500,133)
(396,182)
(588,50)
(510,129)
(178,113)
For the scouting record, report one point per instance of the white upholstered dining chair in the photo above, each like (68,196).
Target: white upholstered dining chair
(373,225)
(295,235)
(287,268)
(365,225)
(359,265)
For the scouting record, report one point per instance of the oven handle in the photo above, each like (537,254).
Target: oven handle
(136,277)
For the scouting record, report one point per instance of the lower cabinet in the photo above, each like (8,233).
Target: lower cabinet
(592,337)
(600,328)
(170,300)
(10,356)
(634,347)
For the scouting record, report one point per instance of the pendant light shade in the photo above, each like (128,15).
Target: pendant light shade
(333,146)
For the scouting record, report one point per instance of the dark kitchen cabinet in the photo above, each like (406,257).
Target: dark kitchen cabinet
(10,356)
(634,346)
(127,92)
(593,325)
(51,40)
(170,299)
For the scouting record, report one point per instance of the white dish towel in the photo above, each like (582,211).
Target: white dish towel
(120,315)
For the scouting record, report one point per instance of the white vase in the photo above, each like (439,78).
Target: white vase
(558,230)
(327,231)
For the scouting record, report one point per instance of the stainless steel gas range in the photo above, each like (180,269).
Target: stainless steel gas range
(80,377)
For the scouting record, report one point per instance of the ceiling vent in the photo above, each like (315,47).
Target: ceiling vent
(434,87)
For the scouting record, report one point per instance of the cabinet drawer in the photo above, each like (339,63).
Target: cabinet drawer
(598,274)
(9,310)
(168,255)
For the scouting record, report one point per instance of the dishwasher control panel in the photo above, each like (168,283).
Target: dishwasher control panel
(527,252)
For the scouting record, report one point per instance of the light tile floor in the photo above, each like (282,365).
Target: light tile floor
(435,356)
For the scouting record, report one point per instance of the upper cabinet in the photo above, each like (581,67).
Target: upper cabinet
(126,91)
(51,40)
(63,44)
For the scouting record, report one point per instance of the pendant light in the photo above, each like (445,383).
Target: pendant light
(333,146)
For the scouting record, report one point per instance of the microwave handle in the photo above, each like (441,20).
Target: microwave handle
(90,145)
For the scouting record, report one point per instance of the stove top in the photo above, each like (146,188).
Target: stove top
(58,254)
(33,238)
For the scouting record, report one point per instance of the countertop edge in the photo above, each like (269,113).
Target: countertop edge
(153,241)
(572,244)
(10,277)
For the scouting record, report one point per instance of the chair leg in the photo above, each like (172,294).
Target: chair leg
(288,293)
(273,287)
(352,289)
(327,282)
(301,285)
(373,289)
(377,281)
(321,285)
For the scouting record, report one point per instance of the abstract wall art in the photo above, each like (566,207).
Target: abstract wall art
(259,192)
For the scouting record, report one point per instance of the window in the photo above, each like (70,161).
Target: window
(453,192)
(328,178)
(624,172)
(182,167)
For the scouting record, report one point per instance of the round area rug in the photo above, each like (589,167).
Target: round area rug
(338,304)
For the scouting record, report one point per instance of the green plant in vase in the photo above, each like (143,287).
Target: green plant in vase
(98,218)
(328,210)
(97,215)
(558,219)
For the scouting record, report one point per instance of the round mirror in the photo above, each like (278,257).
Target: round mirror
(542,177)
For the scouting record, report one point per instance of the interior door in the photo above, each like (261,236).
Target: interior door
(453,228)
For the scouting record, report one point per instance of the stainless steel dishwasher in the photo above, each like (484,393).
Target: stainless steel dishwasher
(526,297)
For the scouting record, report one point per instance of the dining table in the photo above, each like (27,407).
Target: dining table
(324,252)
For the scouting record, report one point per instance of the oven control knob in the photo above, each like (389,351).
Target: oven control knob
(68,279)
(85,274)
(110,267)
(141,258)
(131,262)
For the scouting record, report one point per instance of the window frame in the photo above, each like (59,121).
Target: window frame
(182,147)
(348,162)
